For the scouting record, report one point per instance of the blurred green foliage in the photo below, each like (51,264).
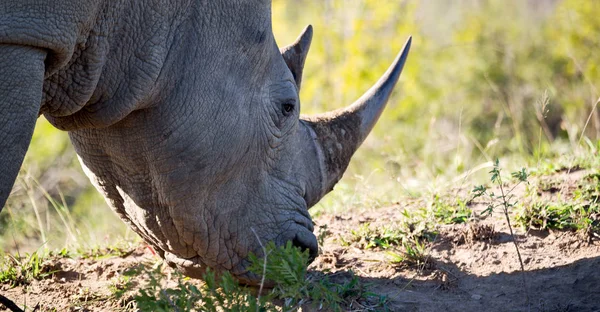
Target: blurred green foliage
(485,79)
(53,205)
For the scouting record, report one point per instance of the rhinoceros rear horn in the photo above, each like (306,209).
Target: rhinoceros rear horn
(340,133)
(295,54)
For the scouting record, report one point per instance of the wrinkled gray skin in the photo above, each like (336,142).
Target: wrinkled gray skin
(185,115)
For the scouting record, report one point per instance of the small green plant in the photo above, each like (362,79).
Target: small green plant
(547,215)
(368,237)
(64,253)
(323,233)
(412,253)
(404,244)
(581,214)
(450,213)
(588,190)
(419,224)
(8,273)
(286,268)
(413,228)
(506,201)
(121,249)
(16,270)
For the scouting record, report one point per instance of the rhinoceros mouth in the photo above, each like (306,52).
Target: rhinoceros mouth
(191,267)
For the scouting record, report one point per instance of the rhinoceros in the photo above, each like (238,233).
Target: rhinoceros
(184,115)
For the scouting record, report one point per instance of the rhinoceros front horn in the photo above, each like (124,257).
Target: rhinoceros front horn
(340,133)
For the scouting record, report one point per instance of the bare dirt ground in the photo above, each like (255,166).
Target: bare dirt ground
(469,267)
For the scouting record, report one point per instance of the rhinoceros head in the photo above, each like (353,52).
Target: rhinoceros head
(295,162)
(186,116)
(267,167)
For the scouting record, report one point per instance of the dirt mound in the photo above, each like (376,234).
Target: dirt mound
(562,272)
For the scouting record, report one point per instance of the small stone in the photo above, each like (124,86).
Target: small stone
(476,297)
(575,245)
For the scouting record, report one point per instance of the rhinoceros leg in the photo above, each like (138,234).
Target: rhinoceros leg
(21,79)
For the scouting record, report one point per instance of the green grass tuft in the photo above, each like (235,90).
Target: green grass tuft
(17,270)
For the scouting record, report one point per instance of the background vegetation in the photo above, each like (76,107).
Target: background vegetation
(513,79)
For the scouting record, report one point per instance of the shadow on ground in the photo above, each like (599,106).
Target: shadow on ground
(572,287)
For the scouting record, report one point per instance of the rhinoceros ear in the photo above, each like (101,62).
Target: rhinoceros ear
(295,54)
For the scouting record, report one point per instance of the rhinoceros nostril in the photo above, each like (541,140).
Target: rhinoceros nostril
(307,241)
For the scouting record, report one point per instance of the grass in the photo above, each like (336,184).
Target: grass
(21,270)
(367,237)
(412,254)
(556,216)
(448,211)
(285,267)
(119,249)
(42,215)
(407,243)
(577,209)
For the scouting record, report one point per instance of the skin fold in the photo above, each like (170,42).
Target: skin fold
(185,115)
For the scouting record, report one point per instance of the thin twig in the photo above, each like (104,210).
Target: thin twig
(164,293)
(505,205)
(512,189)
(264,273)
(588,120)
(12,224)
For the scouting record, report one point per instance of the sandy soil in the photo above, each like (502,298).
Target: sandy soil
(470,267)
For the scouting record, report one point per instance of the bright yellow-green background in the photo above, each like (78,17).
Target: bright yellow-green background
(475,87)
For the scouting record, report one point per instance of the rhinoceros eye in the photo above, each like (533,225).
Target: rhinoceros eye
(287,108)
